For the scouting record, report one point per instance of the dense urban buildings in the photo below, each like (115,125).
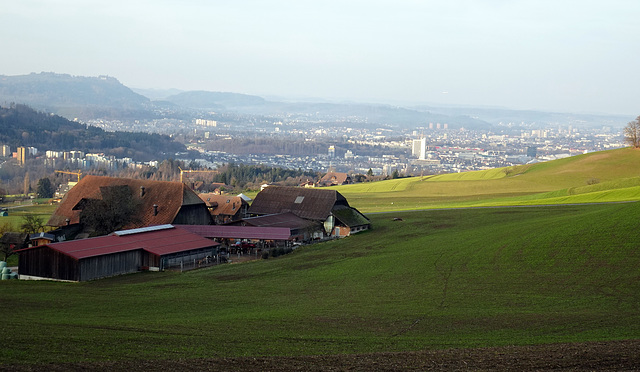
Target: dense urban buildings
(423,150)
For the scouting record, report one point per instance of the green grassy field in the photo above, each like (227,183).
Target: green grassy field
(447,278)
(16,213)
(436,279)
(596,177)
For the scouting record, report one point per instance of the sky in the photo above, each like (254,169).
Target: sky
(556,55)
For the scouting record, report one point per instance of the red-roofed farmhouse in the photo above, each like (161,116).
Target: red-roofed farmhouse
(158,202)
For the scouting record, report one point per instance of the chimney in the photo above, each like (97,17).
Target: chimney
(155,209)
(141,191)
(67,221)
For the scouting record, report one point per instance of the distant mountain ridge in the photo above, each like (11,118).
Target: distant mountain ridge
(200,99)
(59,90)
(104,97)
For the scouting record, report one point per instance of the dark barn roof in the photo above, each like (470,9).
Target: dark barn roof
(170,197)
(288,220)
(350,217)
(13,238)
(312,204)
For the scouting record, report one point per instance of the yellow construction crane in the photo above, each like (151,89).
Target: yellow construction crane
(78,173)
(182,171)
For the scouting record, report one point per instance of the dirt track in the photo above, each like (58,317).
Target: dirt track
(592,356)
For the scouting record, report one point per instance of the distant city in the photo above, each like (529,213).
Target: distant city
(214,128)
(431,149)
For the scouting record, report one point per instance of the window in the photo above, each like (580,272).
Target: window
(299,199)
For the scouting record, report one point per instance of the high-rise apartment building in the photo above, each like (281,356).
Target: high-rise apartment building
(332,151)
(419,148)
(23,154)
(5,151)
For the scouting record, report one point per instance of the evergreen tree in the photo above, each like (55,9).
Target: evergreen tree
(45,188)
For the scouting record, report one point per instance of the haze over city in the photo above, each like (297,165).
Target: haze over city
(570,56)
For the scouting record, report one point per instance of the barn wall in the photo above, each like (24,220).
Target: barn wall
(47,263)
(111,264)
(197,214)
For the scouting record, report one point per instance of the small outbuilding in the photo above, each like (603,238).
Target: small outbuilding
(41,238)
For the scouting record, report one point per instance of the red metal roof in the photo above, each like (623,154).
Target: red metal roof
(239,232)
(160,242)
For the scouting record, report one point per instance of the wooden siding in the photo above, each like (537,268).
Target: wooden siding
(111,264)
(193,215)
(47,263)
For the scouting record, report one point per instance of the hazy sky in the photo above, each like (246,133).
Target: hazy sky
(578,56)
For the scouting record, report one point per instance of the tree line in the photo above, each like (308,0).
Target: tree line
(241,176)
(21,125)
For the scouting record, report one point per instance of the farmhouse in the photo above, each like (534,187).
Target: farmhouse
(122,252)
(327,207)
(225,208)
(155,202)
(335,179)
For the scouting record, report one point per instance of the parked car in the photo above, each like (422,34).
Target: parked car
(244,245)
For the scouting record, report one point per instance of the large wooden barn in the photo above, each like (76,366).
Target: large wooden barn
(122,252)
(156,202)
(327,207)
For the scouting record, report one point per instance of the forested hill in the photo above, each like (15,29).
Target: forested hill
(21,125)
(74,96)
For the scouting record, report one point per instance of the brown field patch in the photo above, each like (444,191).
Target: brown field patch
(586,356)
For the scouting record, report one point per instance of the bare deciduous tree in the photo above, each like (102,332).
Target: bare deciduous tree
(632,133)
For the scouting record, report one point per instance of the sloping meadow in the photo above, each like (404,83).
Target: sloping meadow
(418,280)
(595,177)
